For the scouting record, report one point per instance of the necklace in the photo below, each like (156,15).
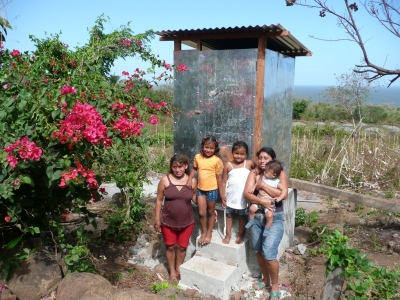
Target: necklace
(184,176)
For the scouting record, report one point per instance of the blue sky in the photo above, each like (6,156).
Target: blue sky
(73,18)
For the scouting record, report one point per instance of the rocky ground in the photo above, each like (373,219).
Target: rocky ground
(302,276)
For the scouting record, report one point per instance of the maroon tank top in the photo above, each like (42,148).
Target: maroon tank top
(177,212)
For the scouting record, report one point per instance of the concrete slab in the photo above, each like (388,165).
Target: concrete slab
(213,277)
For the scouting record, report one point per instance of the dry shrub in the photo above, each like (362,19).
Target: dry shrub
(356,160)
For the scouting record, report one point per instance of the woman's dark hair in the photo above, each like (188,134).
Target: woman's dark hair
(181,159)
(267,150)
(240,144)
(210,139)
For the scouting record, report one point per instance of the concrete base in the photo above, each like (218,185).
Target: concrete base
(209,276)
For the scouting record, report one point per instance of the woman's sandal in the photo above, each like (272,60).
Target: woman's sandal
(258,285)
(274,295)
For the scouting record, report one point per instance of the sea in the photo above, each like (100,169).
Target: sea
(379,95)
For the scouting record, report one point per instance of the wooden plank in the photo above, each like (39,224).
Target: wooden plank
(177,45)
(199,46)
(379,203)
(262,44)
(219,36)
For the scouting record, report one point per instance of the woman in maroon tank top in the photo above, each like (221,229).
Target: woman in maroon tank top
(175,219)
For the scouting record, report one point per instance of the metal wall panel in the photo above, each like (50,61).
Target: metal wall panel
(277,107)
(215,96)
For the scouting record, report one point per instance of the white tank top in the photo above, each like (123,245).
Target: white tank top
(235,185)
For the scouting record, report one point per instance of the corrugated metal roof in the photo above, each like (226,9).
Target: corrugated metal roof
(278,38)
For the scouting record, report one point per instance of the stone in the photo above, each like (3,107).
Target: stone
(298,124)
(160,268)
(94,297)
(296,241)
(77,285)
(334,285)
(302,248)
(302,232)
(36,278)
(319,123)
(235,296)
(190,293)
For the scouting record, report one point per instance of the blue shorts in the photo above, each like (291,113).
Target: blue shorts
(240,212)
(268,246)
(210,195)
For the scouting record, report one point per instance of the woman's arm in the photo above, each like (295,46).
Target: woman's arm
(248,194)
(284,182)
(159,200)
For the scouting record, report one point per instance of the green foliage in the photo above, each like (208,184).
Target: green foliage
(161,164)
(157,287)
(39,91)
(123,227)
(299,106)
(304,218)
(4,25)
(364,279)
(300,217)
(77,259)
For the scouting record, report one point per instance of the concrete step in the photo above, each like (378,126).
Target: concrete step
(211,277)
(233,254)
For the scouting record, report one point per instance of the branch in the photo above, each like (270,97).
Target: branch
(348,23)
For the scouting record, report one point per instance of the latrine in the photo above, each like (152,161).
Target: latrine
(238,86)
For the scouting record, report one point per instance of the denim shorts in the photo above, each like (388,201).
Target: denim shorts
(210,195)
(240,212)
(268,246)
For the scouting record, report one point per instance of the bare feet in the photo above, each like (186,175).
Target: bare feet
(202,238)
(239,240)
(226,240)
(207,239)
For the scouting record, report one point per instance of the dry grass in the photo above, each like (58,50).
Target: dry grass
(358,160)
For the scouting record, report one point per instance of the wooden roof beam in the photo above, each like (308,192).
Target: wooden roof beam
(220,36)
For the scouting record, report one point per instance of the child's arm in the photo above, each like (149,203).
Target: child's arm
(219,181)
(191,175)
(222,187)
(281,187)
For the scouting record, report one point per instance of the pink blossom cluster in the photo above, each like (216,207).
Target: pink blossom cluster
(153,105)
(127,127)
(181,68)
(167,66)
(22,149)
(15,53)
(67,89)
(7,219)
(83,121)
(153,119)
(127,43)
(79,171)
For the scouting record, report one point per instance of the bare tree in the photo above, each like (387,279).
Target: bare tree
(350,92)
(387,12)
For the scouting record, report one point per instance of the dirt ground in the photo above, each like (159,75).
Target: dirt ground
(303,276)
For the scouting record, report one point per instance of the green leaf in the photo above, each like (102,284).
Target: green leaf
(54,114)
(14,242)
(36,229)
(26,179)
(56,175)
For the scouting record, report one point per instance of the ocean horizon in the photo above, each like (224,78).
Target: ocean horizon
(379,95)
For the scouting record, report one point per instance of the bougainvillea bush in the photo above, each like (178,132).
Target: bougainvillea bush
(59,113)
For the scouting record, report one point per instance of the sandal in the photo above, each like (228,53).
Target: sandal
(259,285)
(274,295)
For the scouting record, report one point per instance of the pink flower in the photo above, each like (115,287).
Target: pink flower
(1,45)
(153,119)
(163,103)
(125,73)
(167,66)
(25,149)
(67,89)
(15,53)
(6,86)
(181,68)
(7,219)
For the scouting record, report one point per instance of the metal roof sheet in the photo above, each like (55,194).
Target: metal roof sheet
(278,38)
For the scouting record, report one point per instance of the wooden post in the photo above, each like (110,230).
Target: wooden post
(199,46)
(177,45)
(262,44)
